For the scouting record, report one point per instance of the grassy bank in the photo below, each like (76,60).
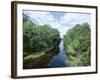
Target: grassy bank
(34,55)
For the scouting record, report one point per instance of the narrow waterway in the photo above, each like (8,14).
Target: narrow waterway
(59,59)
(52,59)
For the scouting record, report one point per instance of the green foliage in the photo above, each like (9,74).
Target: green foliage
(77,44)
(70,50)
(38,37)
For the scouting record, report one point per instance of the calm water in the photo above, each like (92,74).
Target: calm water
(59,59)
(52,59)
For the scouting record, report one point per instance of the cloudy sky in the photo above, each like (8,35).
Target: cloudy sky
(59,20)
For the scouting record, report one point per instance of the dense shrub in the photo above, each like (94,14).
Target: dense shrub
(77,44)
(38,37)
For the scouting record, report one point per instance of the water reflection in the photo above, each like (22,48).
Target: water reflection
(52,59)
(59,60)
(41,62)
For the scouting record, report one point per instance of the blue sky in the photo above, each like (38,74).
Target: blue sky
(59,20)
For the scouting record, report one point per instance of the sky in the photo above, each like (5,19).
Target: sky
(63,21)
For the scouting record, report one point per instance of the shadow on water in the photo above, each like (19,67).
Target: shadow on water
(59,59)
(52,59)
(42,61)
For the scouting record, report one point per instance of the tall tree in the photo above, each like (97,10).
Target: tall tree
(77,43)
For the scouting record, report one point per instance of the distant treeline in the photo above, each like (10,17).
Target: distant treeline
(77,44)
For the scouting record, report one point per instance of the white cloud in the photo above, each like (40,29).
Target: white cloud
(65,22)
(40,17)
(75,18)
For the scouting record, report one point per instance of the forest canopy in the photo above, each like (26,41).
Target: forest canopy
(38,37)
(77,45)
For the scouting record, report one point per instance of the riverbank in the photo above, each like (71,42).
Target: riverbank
(36,54)
(39,59)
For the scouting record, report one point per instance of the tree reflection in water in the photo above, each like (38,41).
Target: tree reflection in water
(41,62)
